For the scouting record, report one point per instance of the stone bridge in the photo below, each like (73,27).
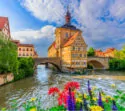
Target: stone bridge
(52,60)
(96,62)
(99,62)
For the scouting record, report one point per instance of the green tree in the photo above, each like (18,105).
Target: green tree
(25,68)
(121,53)
(8,55)
(91,51)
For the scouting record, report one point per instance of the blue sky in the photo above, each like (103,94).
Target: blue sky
(34,21)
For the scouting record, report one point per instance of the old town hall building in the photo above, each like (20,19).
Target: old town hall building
(69,45)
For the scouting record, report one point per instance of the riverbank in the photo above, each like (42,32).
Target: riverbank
(109,77)
(6,78)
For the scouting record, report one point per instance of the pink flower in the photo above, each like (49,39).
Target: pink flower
(53,91)
(72,85)
(63,97)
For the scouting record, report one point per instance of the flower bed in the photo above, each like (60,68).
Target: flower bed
(73,98)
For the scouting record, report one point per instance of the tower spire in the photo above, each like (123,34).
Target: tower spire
(68,16)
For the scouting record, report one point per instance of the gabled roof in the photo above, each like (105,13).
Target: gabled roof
(71,39)
(52,45)
(26,45)
(3,20)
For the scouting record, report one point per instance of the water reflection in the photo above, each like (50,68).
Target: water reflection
(42,73)
(38,86)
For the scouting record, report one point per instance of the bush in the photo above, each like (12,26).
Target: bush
(117,64)
(25,68)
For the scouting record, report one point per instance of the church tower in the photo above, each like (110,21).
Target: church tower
(69,46)
(63,33)
(68,17)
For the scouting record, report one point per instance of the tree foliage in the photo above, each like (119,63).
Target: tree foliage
(25,68)
(9,62)
(118,63)
(8,55)
(120,54)
(91,51)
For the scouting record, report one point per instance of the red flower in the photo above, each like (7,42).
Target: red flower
(107,100)
(72,85)
(63,97)
(53,91)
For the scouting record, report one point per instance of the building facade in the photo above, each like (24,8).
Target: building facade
(5,28)
(69,45)
(109,52)
(25,50)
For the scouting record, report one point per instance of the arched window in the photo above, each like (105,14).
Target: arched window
(27,49)
(30,49)
(19,49)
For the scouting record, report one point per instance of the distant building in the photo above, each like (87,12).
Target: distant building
(5,28)
(25,50)
(69,45)
(108,53)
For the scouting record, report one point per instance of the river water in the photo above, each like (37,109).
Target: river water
(39,84)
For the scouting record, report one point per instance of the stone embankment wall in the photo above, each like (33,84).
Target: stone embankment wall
(6,78)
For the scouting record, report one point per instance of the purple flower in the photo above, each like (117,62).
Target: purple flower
(100,103)
(85,103)
(71,101)
(89,90)
(114,107)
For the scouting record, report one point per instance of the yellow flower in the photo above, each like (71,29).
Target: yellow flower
(103,99)
(94,88)
(79,94)
(33,99)
(96,108)
(79,100)
(33,109)
(109,97)
(85,96)
(113,85)
(94,98)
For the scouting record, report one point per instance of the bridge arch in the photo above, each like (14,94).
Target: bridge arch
(99,62)
(96,64)
(54,61)
(46,63)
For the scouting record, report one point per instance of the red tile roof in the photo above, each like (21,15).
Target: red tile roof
(26,45)
(3,20)
(71,39)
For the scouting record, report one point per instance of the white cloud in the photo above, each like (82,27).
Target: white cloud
(118,9)
(45,10)
(87,13)
(95,31)
(31,35)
